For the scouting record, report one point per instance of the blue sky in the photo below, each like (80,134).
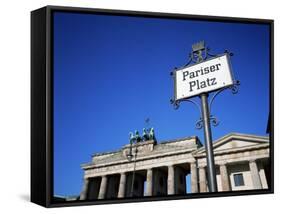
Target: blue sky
(113,72)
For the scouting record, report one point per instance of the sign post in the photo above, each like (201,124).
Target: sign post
(212,181)
(199,79)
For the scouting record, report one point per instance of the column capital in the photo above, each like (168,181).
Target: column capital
(222,163)
(253,160)
(193,164)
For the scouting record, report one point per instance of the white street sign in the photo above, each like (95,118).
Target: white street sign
(209,75)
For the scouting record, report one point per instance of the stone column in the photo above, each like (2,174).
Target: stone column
(194,177)
(122,185)
(224,178)
(103,186)
(149,182)
(255,174)
(171,180)
(263,179)
(83,195)
(202,179)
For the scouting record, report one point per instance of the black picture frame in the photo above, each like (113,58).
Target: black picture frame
(42,104)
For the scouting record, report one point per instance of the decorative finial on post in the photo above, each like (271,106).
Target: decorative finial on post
(198,49)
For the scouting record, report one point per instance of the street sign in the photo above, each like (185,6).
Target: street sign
(206,76)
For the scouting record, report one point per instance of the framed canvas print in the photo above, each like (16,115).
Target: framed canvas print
(134,106)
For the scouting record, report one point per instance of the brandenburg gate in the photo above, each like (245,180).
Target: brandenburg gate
(159,169)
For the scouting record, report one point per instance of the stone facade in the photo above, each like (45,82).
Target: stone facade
(242,162)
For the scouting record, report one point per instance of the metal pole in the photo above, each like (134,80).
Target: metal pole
(134,172)
(212,181)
